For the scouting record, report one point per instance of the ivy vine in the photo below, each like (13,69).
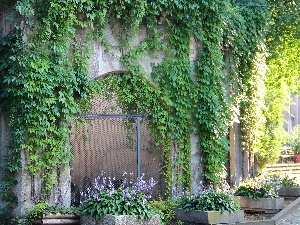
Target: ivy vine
(45,73)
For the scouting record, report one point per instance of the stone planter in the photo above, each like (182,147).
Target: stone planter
(289,191)
(58,219)
(266,205)
(119,220)
(209,217)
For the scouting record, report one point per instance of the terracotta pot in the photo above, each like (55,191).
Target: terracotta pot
(297,158)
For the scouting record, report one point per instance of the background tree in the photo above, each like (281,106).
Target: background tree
(283,43)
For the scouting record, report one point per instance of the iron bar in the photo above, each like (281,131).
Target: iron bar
(138,135)
(99,116)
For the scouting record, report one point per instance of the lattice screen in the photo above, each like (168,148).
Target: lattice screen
(110,145)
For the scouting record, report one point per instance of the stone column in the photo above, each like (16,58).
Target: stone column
(196,157)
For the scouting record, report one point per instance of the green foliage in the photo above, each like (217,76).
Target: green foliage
(209,200)
(283,74)
(257,188)
(165,209)
(211,113)
(285,19)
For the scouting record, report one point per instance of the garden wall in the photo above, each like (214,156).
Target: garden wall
(101,64)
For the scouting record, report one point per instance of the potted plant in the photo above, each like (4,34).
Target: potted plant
(209,206)
(43,213)
(289,187)
(259,194)
(122,202)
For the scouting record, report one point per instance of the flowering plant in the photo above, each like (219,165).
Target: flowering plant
(286,181)
(259,187)
(289,182)
(209,199)
(126,197)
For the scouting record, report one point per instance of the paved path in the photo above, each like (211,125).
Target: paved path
(293,218)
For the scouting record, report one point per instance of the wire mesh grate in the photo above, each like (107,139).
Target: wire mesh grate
(110,145)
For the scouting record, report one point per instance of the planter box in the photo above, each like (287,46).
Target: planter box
(58,219)
(266,205)
(289,191)
(119,220)
(209,217)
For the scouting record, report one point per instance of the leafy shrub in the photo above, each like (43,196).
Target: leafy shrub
(128,197)
(165,208)
(210,199)
(259,187)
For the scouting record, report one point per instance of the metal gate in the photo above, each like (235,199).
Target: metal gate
(114,144)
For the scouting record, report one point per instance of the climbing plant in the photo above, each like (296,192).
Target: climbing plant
(45,74)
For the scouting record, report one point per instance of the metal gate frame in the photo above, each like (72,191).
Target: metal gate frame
(138,119)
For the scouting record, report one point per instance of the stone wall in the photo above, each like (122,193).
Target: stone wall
(5,28)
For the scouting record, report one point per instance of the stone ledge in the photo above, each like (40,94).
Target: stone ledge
(119,220)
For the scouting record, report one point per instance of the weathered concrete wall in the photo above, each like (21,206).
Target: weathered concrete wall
(236,156)
(5,21)
(196,157)
(103,62)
